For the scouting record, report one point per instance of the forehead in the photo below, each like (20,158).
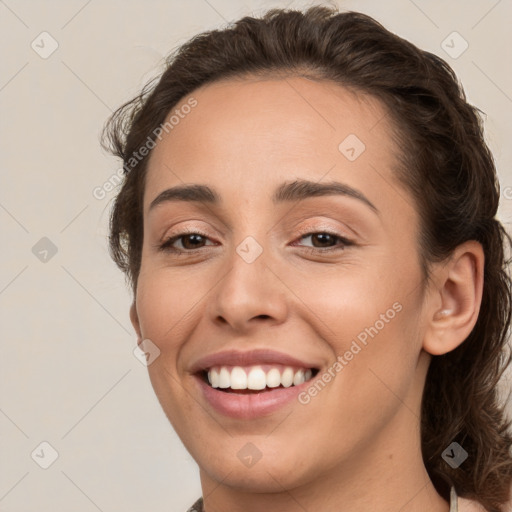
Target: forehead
(243,134)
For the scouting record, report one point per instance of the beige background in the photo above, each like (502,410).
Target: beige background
(67,372)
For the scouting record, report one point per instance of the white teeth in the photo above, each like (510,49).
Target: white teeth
(273,378)
(224,378)
(298,378)
(238,378)
(256,378)
(287,377)
(213,377)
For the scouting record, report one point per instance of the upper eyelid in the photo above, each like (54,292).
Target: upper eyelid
(173,238)
(316,227)
(302,232)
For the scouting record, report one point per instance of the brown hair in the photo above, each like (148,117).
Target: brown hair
(445,164)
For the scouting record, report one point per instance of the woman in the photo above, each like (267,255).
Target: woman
(308,225)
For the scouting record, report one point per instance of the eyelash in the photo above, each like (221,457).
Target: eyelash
(166,246)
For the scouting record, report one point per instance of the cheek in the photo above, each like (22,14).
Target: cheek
(166,304)
(344,302)
(369,317)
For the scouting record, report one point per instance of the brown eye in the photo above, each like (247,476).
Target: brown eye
(188,241)
(325,240)
(192,241)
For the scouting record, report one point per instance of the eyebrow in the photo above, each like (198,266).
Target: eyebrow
(297,190)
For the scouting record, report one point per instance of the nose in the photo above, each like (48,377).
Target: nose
(248,294)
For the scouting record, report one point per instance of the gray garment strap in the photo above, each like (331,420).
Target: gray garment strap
(454,506)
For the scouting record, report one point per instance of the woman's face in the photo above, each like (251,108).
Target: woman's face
(282,280)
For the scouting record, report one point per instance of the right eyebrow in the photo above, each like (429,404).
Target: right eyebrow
(197,193)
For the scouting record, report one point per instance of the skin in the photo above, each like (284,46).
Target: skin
(356,445)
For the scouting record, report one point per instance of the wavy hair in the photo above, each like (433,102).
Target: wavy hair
(444,162)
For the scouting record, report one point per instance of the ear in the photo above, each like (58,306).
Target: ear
(134,317)
(455,299)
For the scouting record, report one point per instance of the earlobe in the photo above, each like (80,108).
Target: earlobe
(134,317)
(457,295)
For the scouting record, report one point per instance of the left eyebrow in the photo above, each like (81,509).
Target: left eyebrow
(297,190)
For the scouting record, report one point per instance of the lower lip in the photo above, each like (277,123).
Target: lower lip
(249,406)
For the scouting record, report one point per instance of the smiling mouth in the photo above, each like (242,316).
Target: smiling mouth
(255,379)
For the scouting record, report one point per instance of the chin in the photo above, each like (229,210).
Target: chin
(260,478)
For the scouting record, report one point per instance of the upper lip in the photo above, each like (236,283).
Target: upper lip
(247,358)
